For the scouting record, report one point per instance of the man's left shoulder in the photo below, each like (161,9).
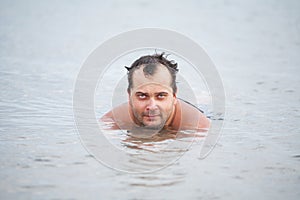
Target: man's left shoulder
(190,113)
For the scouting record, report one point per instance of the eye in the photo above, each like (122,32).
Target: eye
(141,96)
(161,96)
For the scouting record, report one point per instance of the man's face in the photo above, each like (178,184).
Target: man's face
(151,97)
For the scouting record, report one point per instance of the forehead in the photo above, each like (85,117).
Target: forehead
(152,88)
(161,76)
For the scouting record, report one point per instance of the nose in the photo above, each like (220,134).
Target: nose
(151,104)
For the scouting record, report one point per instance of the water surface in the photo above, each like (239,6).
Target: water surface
(255,46)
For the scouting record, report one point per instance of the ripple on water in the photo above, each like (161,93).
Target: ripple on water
(145,153)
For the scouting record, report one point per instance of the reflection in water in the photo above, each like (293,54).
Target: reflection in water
(154,151)
(155,142)
(150,139)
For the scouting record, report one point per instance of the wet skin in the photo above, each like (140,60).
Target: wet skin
(153,105)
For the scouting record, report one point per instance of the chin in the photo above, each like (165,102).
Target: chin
(153,126)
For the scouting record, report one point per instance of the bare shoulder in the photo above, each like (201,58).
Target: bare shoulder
(190,116)
(119,113)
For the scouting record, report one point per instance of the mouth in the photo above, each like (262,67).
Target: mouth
(152,121)
(151,117)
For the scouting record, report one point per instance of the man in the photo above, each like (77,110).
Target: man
(153,104)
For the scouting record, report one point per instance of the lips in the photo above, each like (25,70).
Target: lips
(147,114)
(151,115)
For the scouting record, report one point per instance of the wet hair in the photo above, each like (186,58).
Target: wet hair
(151,63)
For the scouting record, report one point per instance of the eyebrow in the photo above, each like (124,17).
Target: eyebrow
(141,92)
(162,92)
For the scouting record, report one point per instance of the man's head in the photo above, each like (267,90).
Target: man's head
(152,90)
(152,61)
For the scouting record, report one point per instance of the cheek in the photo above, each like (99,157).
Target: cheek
(167,105)
(137,105)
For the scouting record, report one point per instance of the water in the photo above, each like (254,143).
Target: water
(255,46)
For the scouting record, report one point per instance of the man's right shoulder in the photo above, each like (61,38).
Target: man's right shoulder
(120,112)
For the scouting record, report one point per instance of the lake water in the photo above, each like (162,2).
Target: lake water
(255,46)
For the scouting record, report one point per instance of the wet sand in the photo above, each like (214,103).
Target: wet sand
(255,47)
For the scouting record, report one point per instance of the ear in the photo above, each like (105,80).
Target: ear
(175,98)
(129,94)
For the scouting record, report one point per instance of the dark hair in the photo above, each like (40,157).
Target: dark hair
(151,62)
